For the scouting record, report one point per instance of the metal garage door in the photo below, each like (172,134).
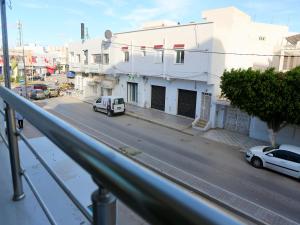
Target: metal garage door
(158,95)
(187,103)
(237,120)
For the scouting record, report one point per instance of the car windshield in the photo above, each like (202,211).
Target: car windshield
(118,101)
(269,148)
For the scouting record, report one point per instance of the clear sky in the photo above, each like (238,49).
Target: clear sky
(53,22)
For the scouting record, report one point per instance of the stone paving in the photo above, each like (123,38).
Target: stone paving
(232,138)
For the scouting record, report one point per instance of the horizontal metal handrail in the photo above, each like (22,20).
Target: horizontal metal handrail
(154,198)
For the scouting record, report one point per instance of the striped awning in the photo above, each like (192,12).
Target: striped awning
(293,39)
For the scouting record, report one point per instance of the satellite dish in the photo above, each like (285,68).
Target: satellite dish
(108,34)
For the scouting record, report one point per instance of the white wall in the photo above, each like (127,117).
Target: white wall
(193,36)
(288,135)
(172,86)
(234,32)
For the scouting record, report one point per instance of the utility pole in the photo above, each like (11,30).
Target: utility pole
(12,138)
(23,55)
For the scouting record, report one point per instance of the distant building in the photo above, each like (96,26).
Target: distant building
(38,60)
(290,53)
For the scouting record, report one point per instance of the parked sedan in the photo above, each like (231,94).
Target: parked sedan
(53,92)
(37,94)
(283,158)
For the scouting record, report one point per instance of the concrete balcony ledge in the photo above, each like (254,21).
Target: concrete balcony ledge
(76,67)
(93,68)
(28,211)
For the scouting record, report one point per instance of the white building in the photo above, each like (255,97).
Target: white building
(289,59)
(57,56)
(177,68)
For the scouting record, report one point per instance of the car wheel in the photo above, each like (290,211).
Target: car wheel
(256,162)
(95,109)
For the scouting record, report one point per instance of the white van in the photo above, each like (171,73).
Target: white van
(110,105)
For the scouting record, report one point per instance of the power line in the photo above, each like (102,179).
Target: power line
(205,51)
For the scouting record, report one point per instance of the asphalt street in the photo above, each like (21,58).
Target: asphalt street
(217,163)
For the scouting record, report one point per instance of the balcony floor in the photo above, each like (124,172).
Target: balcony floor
(28,211)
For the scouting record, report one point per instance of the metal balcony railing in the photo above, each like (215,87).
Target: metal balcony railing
(154,198)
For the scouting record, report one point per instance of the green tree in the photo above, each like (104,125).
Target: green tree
(272,96)
(59,67)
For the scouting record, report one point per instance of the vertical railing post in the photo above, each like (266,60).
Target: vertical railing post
(104,206)
(10,117)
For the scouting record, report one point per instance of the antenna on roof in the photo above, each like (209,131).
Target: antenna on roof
(82,34)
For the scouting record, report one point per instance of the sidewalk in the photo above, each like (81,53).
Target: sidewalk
(178,123)
(233,138)
(184,125)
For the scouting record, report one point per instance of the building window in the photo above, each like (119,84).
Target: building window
(159,56)
(291,66)
(97,58)
(143,51)
(180,56)
(285,62)
(72,57)
(86,57)
(78,58)
(126,56)
(105,58)
(132,92)
(262,38)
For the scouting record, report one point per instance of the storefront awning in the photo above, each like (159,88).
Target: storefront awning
(293,39)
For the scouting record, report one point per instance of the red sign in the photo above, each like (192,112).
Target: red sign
(176,46)
(32,59)
(158,46)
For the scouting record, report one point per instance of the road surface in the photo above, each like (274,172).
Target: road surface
(219,164)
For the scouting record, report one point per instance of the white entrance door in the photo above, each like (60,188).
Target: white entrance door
(205,106)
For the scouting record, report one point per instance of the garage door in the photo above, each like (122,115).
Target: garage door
(187,103)
(158,95)
(237,120)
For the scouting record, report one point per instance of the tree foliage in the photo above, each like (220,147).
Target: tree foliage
(272,96)
(58,67)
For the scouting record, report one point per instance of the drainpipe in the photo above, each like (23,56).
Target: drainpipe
(164,59)
(131,53)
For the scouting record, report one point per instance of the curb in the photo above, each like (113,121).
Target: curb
(217,198)
(214,197)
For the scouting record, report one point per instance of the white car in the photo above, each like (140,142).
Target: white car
(283,158)
(110,105)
